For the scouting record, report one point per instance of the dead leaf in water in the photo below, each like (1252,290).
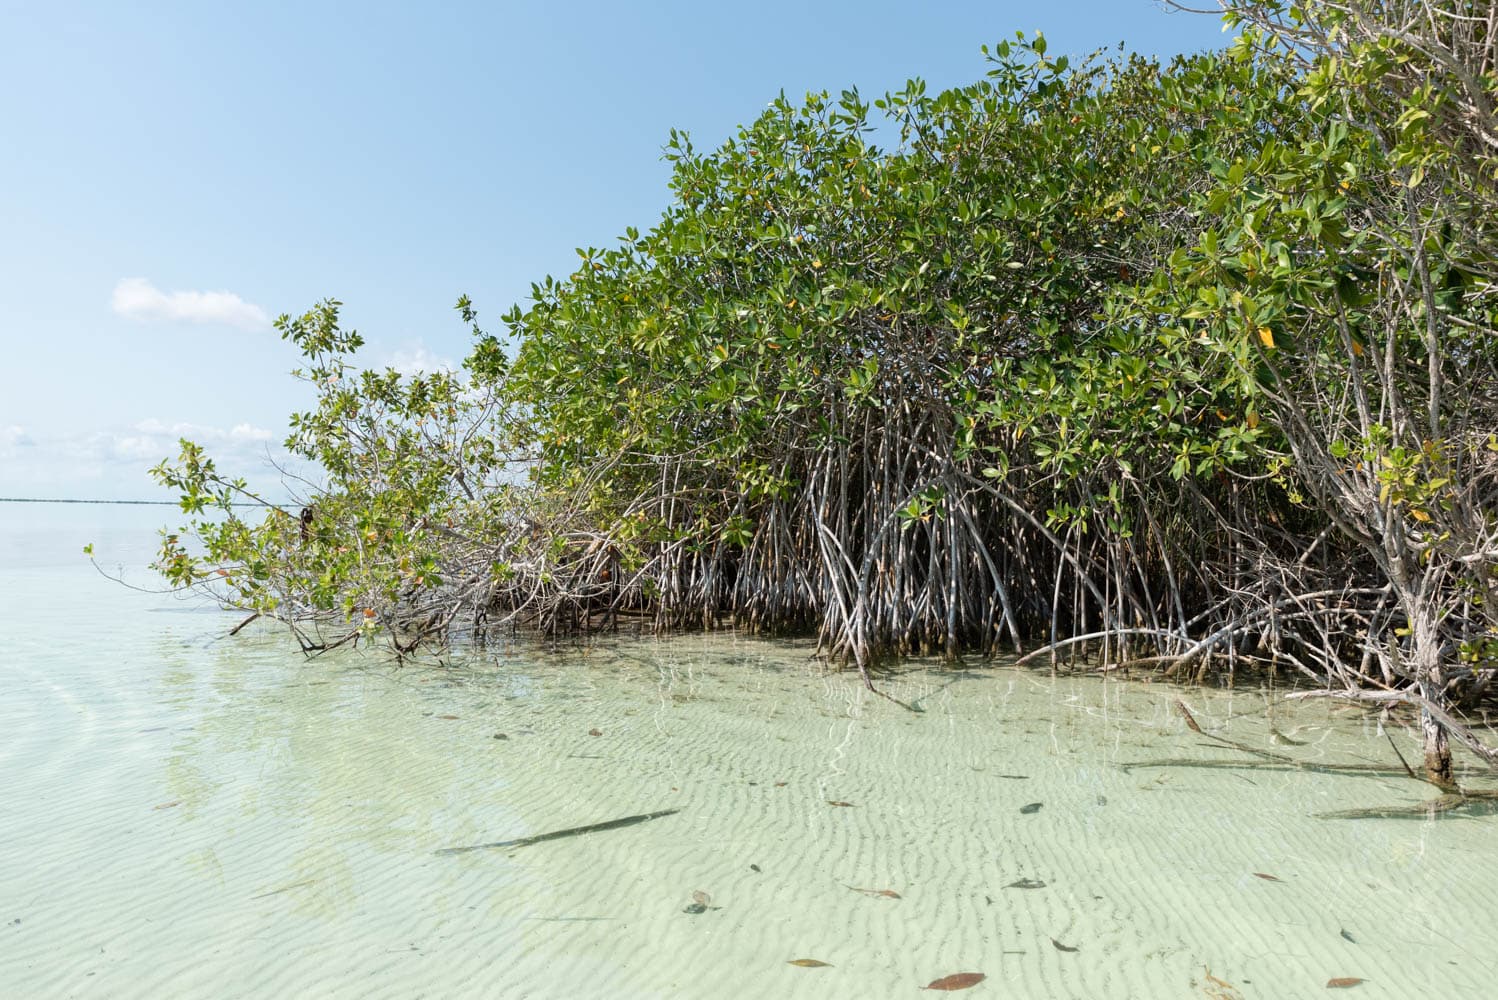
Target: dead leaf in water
(1268,878)
(595,732)
(780,784)
(168,805)
(1063,947)
(830,802)
(877,893)
(956,981)
(809,963)
(698,896)
(1219,989)
(1026,883)
(1342,982)
(1032,808)
(447,716)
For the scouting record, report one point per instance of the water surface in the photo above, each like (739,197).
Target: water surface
(185,815)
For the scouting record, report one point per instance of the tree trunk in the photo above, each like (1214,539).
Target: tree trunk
(1427,657)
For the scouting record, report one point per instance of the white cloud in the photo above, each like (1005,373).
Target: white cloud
(418,360)
(137,298)
(246,432)
(111,463)
(13,437)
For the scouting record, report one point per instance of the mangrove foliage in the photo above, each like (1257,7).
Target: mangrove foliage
(1183,365)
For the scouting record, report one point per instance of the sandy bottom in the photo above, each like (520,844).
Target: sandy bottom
(189,816)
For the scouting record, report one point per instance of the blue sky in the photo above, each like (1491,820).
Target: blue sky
(174,175)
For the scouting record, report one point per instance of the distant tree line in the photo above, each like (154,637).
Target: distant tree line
(1187,366)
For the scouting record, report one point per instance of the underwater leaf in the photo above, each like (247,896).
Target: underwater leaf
(1349,937)
(694,908)
(1190,719)
(447,716)
(1063,947)
(1342,982)
(956,981)
(1268,878)
(809,963)
(877,893)
(168,805)
(594,732)
(830,802)
(1032,808)
(1220,989)
(698,896)
(1026,883)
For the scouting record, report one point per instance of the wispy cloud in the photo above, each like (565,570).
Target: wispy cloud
(417,360)
(137,298)
(13,437)
(112,462)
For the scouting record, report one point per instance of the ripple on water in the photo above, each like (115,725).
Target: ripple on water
(185,816)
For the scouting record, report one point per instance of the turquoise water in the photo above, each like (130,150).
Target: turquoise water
(190,815)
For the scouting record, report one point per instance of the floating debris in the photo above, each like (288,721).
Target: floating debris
(447,716)
(809,963)
(877,893)
(698,896)
(831,802)
(168,805)
(1033,807)
(956,981)
(1063,947)
(595,732)
(1342,982)
(1268,878)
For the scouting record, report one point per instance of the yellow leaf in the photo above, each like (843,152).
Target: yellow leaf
(1266,336)
(1357,348)
(1419,515)
(1252,420)
(722,351)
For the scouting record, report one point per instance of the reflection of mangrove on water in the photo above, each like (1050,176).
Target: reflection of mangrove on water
(1455,802)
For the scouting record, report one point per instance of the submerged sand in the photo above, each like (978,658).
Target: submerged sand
(188,816)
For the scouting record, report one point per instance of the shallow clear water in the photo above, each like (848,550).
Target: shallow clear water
(184,814)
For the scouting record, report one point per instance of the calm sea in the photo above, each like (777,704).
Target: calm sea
(184,814)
